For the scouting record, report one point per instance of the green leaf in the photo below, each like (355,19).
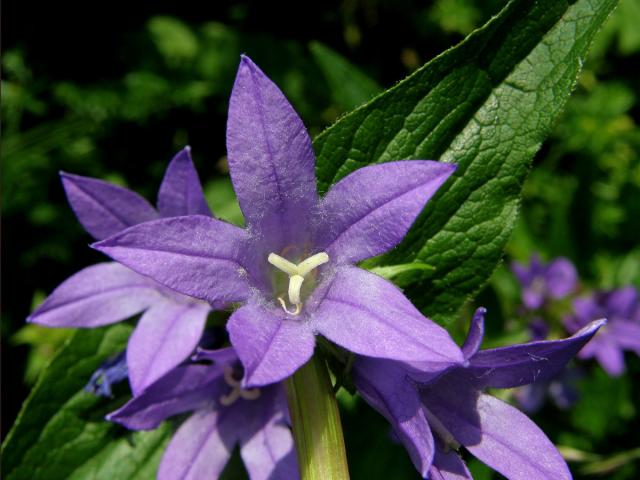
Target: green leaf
(486,105)
(61,432)
(349,86)
(390,272)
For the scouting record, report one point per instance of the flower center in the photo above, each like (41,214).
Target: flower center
(297,274)
(236,391)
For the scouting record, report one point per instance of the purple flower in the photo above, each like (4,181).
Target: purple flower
(225,415)
(622,332)
(434,414)
(111,371)
(172,324)
(541,282)
(561,389)
(292,269)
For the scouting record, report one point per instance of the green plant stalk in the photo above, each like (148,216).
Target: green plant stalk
(315,418)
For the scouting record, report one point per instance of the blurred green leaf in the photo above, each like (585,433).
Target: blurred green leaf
(174,39)
(349,86)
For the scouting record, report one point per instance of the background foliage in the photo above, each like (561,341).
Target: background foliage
(113,92)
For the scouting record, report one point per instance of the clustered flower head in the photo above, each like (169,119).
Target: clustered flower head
(286,278)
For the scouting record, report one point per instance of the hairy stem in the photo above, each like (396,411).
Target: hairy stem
(317,430)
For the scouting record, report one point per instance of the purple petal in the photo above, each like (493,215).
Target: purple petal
(165,336)
(222,356)
(496,433)
(197,450)
(181,390)
(102,208)
(384,385)
(271,161)
(270,344)
(511,443)
(196,255)
(447,465)
(626,334)
(98,295)
(622,302)
(181,192)
(369,212)
(561,277)
(516,365)
(269,454)
(368,315)
(475,335)
(533,295)
(522,273)
(610,357)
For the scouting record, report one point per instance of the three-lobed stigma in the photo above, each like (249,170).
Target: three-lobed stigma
(297,273)
(236,390)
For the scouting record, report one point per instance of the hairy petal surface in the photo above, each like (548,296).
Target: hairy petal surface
(182,389)
(197,450)
(384,385)
(98,295)
(165,336)
(270,344)
(368,315)
(271,160)
(181,192)
(104,209)
(516,365)
(369,212)
(196,255)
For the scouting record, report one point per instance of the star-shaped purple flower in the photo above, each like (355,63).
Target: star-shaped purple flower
(435,413)
(225,415)
(172,324)
(621,307)
(292,269)
(542,282)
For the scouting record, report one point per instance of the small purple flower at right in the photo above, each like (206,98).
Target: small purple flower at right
(435,413)
(545,281)
(622,309)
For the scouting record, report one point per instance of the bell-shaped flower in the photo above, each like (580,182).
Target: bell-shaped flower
(621,307)
(435,413)
(224,415)
(291,271)
(172,324)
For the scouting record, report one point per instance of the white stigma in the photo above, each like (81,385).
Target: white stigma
(236,390)
(296,276)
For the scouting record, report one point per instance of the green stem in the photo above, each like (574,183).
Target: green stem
(315,418)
